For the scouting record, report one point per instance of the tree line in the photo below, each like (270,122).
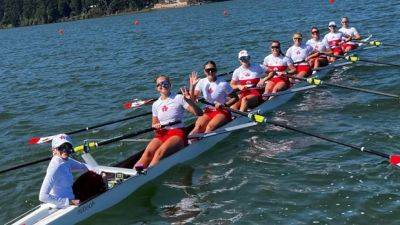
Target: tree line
(31,12)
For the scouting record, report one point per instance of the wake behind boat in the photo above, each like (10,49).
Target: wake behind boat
(122,180)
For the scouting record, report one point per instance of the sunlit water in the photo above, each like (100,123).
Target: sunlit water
(264,175)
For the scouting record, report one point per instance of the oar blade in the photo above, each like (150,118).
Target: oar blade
(127,105)
(39,140)
(394,160)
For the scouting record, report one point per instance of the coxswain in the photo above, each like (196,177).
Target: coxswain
(57,184)
(334,40)
(277,65)
(316,59)
(214,90)
(167,109)
(351,33)
(246,78)
(299,54)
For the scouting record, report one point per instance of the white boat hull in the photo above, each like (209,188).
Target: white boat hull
(75,214)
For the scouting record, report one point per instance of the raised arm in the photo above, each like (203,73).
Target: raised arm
(192,106)
(193,80)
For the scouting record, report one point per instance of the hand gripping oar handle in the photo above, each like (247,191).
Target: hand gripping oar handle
(393,159)
(79,149)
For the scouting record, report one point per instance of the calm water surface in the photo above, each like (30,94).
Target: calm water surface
(264,175)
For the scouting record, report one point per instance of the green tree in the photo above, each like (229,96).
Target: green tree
(76,7)
(63,8)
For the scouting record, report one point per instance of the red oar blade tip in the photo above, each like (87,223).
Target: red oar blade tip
(34,140)
(128,105)
(394,160)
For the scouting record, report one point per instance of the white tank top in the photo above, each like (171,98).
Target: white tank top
(318,45)
(217,91)
(278,64)
(170,110)
(349,32)
(299,53)
(334,39)
(248,76)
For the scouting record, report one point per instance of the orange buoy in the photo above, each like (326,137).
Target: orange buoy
(331,1)
(136,22)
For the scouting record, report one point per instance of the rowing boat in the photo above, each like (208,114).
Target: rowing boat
(96,195)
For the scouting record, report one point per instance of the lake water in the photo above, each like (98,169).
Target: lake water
(52,83)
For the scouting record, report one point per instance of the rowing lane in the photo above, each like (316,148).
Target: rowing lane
(264,175)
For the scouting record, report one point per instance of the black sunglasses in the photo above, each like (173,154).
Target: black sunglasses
(164,84)
(275,46)
(211,70)
(66,147)
(315,32)
(332,26)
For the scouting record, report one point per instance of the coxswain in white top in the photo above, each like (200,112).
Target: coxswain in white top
(334,40)
(317,59)
(167,109)
(277,65)
(299,54)
(351,33)
(57,184)
(213,90)
(247,79)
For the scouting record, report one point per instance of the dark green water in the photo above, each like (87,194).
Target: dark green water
(52,84)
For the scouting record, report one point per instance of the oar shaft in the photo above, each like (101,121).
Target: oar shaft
(314,81)
(264,120)
(109,123)
(362,149)
(26,164)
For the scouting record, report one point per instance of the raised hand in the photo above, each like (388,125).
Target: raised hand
(193,79)
(185,92)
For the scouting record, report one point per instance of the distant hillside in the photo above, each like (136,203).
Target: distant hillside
(15,13)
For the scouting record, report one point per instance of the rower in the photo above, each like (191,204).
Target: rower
(316,59)
(246,78)
(334,40)
(276,64)
(213,90)
(57,184)
(299,53)
(350,33)
(168,108)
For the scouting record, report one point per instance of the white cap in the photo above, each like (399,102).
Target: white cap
(332,23)
(243,53)
(60,139)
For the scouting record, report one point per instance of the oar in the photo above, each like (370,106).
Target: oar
(393,159)
(137,103)
(317,82)
(376,43)
(355,58)
(39,140)
(80,148)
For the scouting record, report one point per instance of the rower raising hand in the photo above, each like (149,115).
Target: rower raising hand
(193,79)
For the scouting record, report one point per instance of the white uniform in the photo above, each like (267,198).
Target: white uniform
(334,39)
(299,53)
(248,76)
(280,63)
(217,91)
(318,45)
(57,184)
(349,32)
(170,110)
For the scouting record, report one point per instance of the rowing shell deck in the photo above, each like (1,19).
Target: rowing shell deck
(95,194)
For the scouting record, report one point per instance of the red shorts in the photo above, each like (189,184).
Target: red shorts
(304,68)
(278,79)
(337,51)
(164,134)
(212,112)
(255,91)
(349,45)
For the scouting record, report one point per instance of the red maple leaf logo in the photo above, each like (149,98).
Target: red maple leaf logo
(164,108)
(210,90)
